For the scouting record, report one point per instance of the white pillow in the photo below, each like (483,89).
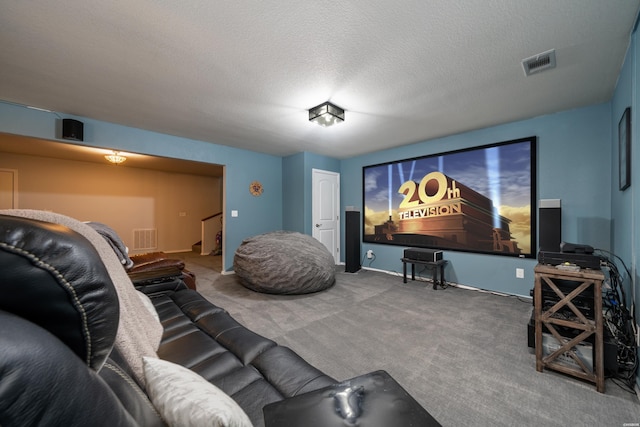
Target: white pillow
(146,301)
(186,399)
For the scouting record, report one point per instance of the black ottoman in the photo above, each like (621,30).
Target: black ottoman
(372,400)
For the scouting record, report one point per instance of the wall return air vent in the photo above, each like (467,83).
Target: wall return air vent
(540,62)
(145,239)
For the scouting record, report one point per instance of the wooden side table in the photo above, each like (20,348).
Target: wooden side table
(436,266)
(583,280)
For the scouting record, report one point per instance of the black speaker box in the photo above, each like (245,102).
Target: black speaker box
(72,129)
(352,241)
(429,255)
(550,219)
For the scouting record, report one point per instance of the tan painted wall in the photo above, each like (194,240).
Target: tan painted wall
(125,198)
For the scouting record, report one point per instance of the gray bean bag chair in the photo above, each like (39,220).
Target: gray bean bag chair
(284,262)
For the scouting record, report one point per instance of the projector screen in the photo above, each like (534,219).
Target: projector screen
(480,199)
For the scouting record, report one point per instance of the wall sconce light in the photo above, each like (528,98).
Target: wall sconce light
(115,158)
(326,114)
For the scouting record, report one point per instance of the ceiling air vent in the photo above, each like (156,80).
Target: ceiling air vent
(540,62)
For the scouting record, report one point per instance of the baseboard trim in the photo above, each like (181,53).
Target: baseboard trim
(393,273)
(453,284)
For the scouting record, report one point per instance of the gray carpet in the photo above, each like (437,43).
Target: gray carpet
(462,354)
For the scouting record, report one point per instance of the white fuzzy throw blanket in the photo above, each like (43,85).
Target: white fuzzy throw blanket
(139,333)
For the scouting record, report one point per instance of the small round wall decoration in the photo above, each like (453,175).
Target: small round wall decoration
(255,188)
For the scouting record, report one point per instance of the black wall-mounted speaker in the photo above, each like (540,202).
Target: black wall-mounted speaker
(72,129)
(352,241)
(550,219)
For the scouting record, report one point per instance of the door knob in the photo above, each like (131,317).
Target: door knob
(317,225)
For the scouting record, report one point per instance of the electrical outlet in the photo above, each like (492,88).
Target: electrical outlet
(369,254)
(520,273)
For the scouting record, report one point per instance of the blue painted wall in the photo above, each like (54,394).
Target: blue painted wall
(625,217)
(574,165)
(293,189)
(622,210)
(297,188)
(632,203)
(256,214)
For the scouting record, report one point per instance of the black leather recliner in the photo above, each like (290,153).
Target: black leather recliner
(59,315)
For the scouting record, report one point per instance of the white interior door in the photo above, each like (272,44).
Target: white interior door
(8,189)
(326,210)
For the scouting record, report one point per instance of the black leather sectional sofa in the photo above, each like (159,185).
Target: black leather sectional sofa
(252,369)
(59,318)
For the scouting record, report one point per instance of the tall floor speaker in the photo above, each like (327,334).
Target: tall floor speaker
(352,241)
(550,220)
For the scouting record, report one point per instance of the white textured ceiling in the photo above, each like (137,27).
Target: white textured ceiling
(244,73)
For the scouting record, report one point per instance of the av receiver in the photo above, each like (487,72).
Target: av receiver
(582,260)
